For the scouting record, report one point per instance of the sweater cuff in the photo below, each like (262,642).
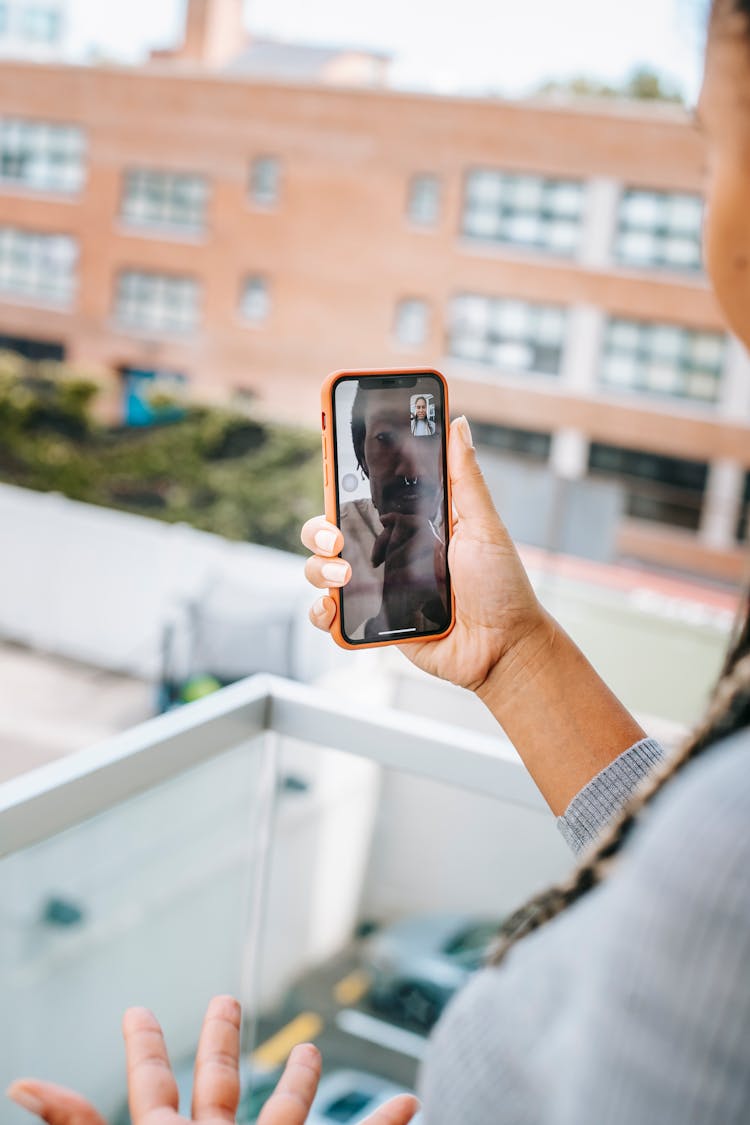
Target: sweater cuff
(607,793)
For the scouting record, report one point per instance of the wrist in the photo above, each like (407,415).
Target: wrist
(521,663)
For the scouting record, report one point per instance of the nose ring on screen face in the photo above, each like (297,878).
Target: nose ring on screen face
(411,482)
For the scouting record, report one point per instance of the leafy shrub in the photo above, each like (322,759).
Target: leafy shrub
(216,470)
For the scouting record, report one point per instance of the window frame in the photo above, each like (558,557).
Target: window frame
(645,359)
(505,210)
(493,338)
(660,232)
(155,286)
(432,218)
(50,156)
(645,491)
(35,254)
(159,188)
(264,287)
(264,199)
(404,306)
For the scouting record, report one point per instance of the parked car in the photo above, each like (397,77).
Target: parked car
(418,963)
(346,1097)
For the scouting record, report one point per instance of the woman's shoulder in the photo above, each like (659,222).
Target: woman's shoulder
(697,829)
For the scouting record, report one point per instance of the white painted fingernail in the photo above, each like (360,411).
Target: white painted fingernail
(319,608)
(463,429)
(26,1100)
(334,571)
(325,540)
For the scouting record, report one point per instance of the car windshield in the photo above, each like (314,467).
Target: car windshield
(470,945)
(348,1107)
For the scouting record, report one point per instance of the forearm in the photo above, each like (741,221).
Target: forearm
(557,711)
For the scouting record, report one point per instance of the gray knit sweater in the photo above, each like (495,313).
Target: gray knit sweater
(633,1006)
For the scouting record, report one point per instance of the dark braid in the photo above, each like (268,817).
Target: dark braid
(729,712)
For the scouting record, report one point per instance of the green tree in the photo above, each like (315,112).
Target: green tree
(211,468)
(642,84)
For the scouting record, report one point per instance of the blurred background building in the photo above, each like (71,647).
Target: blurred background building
(238,217)
(33,29)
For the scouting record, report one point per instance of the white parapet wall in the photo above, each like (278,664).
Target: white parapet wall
(98,586)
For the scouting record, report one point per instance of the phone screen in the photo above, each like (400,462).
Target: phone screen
(390,472)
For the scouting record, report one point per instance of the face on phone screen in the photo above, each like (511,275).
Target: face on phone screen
(390,494)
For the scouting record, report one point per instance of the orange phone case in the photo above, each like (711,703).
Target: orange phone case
(329,484)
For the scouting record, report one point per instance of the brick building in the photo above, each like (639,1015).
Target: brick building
(235,219)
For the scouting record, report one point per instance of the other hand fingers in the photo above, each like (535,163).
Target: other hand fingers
(322,537)
(291,1100)
(398,1111)
(216,1085)
(322,614)
(151,1084)
(324,573)
(54,1104)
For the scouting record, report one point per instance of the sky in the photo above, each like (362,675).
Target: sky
(472,46)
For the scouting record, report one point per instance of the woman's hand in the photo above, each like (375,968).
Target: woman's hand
(152,1090)
(498,617)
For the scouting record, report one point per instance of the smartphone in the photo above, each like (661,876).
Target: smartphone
(387,488)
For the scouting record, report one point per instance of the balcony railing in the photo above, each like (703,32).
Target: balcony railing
(229,846)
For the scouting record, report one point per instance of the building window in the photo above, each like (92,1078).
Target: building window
(42,25)
(32,348)
(42,156)
(663,359)
(659,230)
(255,302)
(38,266)
(528,211)
(265,179)
(423,204)
(509,335)
(665,489)
(165,200)
(412,322)
(155,302)
(533,445)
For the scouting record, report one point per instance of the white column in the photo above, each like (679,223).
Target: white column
(722,504)
(569,455)
(734,402)
(583,344)
(599,223)
(578,373)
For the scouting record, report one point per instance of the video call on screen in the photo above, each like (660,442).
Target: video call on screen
(391,498)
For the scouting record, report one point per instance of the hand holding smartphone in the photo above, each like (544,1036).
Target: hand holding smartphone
(387,488)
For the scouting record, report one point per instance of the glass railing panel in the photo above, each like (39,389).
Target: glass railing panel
(384,891)
(151,902)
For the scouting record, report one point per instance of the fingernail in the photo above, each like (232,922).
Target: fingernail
(463,429)
(320,607)
(25,1099)
(334,571)
(325,540)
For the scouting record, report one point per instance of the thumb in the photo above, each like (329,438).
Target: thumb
(471,495)
(54,1104)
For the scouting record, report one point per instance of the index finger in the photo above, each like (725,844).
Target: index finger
(290,1102)
(216,1086)
(322,537)
(151,1084)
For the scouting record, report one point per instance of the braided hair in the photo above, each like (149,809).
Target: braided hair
(729,711)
